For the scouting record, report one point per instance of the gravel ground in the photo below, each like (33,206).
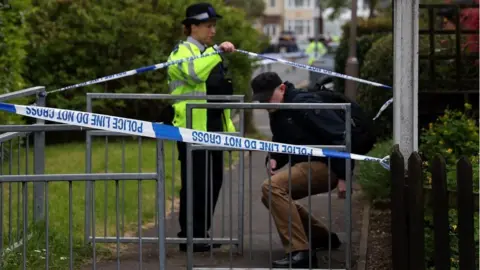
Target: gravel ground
(379,253)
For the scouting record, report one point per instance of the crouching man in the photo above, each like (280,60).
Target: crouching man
(301,127)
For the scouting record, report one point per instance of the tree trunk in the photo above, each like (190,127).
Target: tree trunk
(371,6)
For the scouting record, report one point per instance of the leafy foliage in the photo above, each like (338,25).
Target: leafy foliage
(75,41)
(364,43)
(13,32)
(378,67)
(453,135)
(373,178)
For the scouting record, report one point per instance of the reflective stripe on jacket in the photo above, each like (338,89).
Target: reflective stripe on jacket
(189,78)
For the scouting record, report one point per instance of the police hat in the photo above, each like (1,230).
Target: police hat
(200,12)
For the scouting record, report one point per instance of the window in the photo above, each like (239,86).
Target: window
(300,3)
(272,3)
(299,27)
(270,30)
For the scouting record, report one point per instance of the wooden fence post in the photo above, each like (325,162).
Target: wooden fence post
(466,244)
(416,213)
(440,214)
(398,215)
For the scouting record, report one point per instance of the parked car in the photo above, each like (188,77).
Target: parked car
(287,42)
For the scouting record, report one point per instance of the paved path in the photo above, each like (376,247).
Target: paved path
(261,242)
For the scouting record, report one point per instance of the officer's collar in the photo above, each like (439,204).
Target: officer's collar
(196,42)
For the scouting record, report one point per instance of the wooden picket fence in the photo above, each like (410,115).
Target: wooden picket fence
(408,201)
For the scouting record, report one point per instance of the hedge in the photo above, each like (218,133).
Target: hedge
(74,41)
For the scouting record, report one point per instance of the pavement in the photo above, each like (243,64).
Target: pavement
(261,242)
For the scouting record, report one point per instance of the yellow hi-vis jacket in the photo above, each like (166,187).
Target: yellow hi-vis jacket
(311,51)
(189,78)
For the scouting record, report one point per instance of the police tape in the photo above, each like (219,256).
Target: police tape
(315,69)
(383,108)
(189,59)
(167,132)
(133,72)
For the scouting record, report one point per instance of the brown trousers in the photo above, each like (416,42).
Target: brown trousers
(282,206)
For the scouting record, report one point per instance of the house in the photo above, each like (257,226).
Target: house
(301,17)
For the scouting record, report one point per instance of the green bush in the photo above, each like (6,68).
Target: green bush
(76,41)
(453,239)
(378,67)
(363,45)
(373,178)
(368,31)
(452,135)
(368,26)
(13,42)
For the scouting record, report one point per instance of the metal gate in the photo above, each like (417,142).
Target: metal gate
(90,223)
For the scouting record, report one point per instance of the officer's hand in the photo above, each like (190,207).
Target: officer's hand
(272,166)
(227,46)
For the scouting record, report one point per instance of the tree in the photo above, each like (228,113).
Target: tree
(76,41)
(337,7)
(13,42)
(252,8)
(372,5)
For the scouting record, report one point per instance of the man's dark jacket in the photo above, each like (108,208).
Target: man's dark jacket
(297,127)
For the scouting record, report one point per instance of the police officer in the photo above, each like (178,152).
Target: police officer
(203,76)
(315,50)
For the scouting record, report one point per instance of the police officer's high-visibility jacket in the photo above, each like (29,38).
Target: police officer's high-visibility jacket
(189,78)
(314,55)
(335,38)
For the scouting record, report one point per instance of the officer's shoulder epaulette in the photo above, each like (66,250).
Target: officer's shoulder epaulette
(175,49)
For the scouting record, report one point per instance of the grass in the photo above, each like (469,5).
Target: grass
(122,156)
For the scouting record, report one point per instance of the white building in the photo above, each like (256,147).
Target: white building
(301,17)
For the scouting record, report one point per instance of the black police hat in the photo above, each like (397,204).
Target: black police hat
(200,12)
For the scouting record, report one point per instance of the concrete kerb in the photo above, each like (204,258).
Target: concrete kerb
(362,256)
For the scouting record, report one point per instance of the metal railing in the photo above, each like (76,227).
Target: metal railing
(348,203)
(121,202)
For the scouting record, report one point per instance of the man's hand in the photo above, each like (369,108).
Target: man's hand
(272,166)
(341,189)
(227,46)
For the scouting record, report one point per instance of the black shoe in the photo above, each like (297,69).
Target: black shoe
(322,244)
(200,247)
(299,259)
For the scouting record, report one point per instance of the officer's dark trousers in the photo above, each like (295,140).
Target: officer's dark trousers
(201,186)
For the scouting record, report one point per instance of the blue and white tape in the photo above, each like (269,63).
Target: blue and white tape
(133,72)
(315,69)
(383,108)
(167,132)
(189,59)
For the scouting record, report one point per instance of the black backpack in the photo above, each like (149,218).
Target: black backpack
(363,135)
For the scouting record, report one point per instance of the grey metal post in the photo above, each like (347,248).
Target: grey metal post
(348,180)
(241,187)
(405,75)
(88,185)
(351,68)
(39,164)
(189,151)
(161,203)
